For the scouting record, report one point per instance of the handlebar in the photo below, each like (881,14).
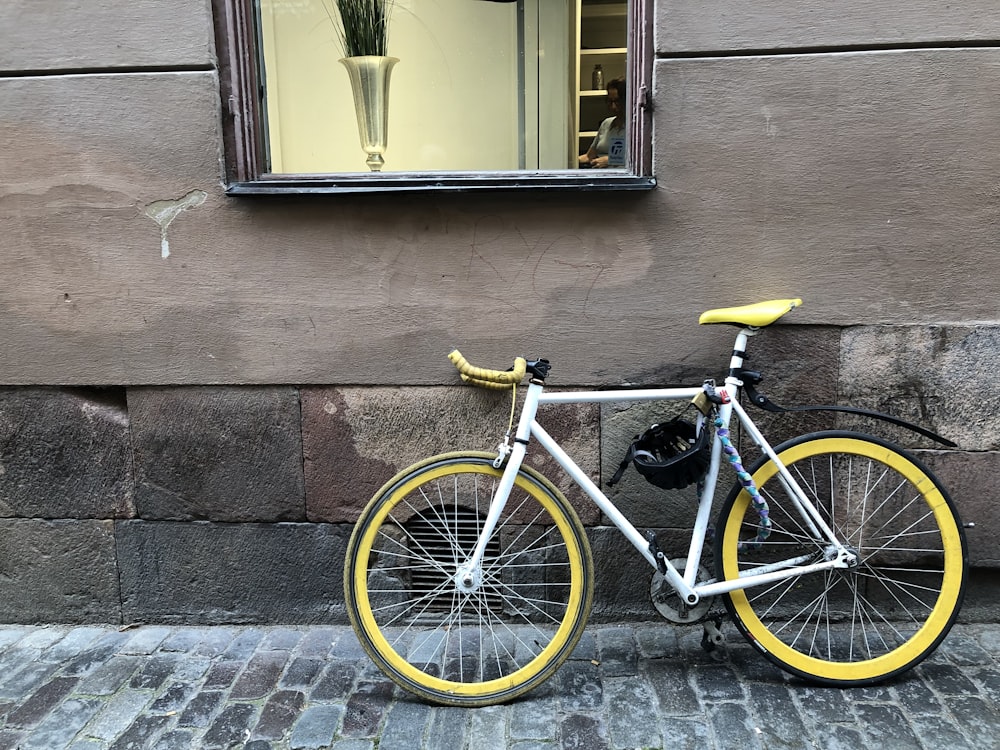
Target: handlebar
(482,377)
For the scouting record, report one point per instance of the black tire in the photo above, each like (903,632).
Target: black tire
(853,626)
(482,645)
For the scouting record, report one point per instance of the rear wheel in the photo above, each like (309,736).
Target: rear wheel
(865,623)
(477,638)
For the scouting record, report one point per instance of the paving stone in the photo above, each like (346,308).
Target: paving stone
(964,649)
(677,702)
(199,711)
(657,641)
(139,734)
(337,682)
(365,709)
(669,680)
(27,680)
(989,681)
(936,732)
(177,739)
(222,674)
(990,641)
(97,653)
(582,732)
(231,726)
(488,728)
(535,719)
(215,641)
(586,647)
(823,706)
(530,745)
(72,643)
(15,660)
(356,744)
(60,727)
(406,724)
(617,651)
(686,734)
(915,697)
(145,640)
(717,682)
(117,714)
(260,675)
(837,737)
(278,715)
(281,639)
(12,634)
(190,668)
(42,638)
(947,679)
(244,644)
(317,642)
(316,727)
(733,726)
(581,683)
(447,730)
(886,727)
(347,647)
(110,676)
(979,719)
(183,639)
(626,699)
(44,700)
(154,671)
(302,672)
(779,725)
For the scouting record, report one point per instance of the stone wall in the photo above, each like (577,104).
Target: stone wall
(195,504)
(192,412)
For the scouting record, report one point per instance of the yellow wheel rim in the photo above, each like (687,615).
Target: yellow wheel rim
(952,580)
(503,684)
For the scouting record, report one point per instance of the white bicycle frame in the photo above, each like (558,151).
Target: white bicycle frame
(836,556)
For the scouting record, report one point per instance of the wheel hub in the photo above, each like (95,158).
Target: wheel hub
(467,579)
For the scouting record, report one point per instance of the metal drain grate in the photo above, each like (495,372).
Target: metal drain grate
(449,535)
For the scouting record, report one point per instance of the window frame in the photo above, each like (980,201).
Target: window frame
(244,137)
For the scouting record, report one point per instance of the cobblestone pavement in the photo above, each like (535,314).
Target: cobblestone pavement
(646,685)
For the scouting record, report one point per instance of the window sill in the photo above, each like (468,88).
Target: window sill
(449,182)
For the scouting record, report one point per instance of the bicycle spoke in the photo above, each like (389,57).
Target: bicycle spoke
(887,512)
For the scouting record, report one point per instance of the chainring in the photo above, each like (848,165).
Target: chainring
(669,603)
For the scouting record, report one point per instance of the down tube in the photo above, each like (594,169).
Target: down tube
(607,507)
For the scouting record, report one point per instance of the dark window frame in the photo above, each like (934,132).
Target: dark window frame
(246,173)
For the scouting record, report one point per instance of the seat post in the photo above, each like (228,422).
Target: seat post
(740,350)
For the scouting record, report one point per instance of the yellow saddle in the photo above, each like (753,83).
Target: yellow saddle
(757,315)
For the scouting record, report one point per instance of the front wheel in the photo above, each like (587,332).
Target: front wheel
(459,637)
(856,625)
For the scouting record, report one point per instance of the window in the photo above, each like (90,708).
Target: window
(485,94)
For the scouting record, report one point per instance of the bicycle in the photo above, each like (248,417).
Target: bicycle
(838,555)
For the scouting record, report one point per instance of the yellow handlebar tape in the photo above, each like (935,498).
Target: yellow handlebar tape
(483,378)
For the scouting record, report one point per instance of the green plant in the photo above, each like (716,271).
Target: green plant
(362,25)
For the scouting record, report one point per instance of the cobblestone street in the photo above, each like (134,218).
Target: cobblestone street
(640,686)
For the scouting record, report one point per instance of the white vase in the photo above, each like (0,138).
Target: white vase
(369,76)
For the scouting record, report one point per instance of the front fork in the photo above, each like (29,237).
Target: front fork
(469,575)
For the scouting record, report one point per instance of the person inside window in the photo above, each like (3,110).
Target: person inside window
(613,127)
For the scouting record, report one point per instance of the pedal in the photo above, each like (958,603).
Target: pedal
(713,638)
